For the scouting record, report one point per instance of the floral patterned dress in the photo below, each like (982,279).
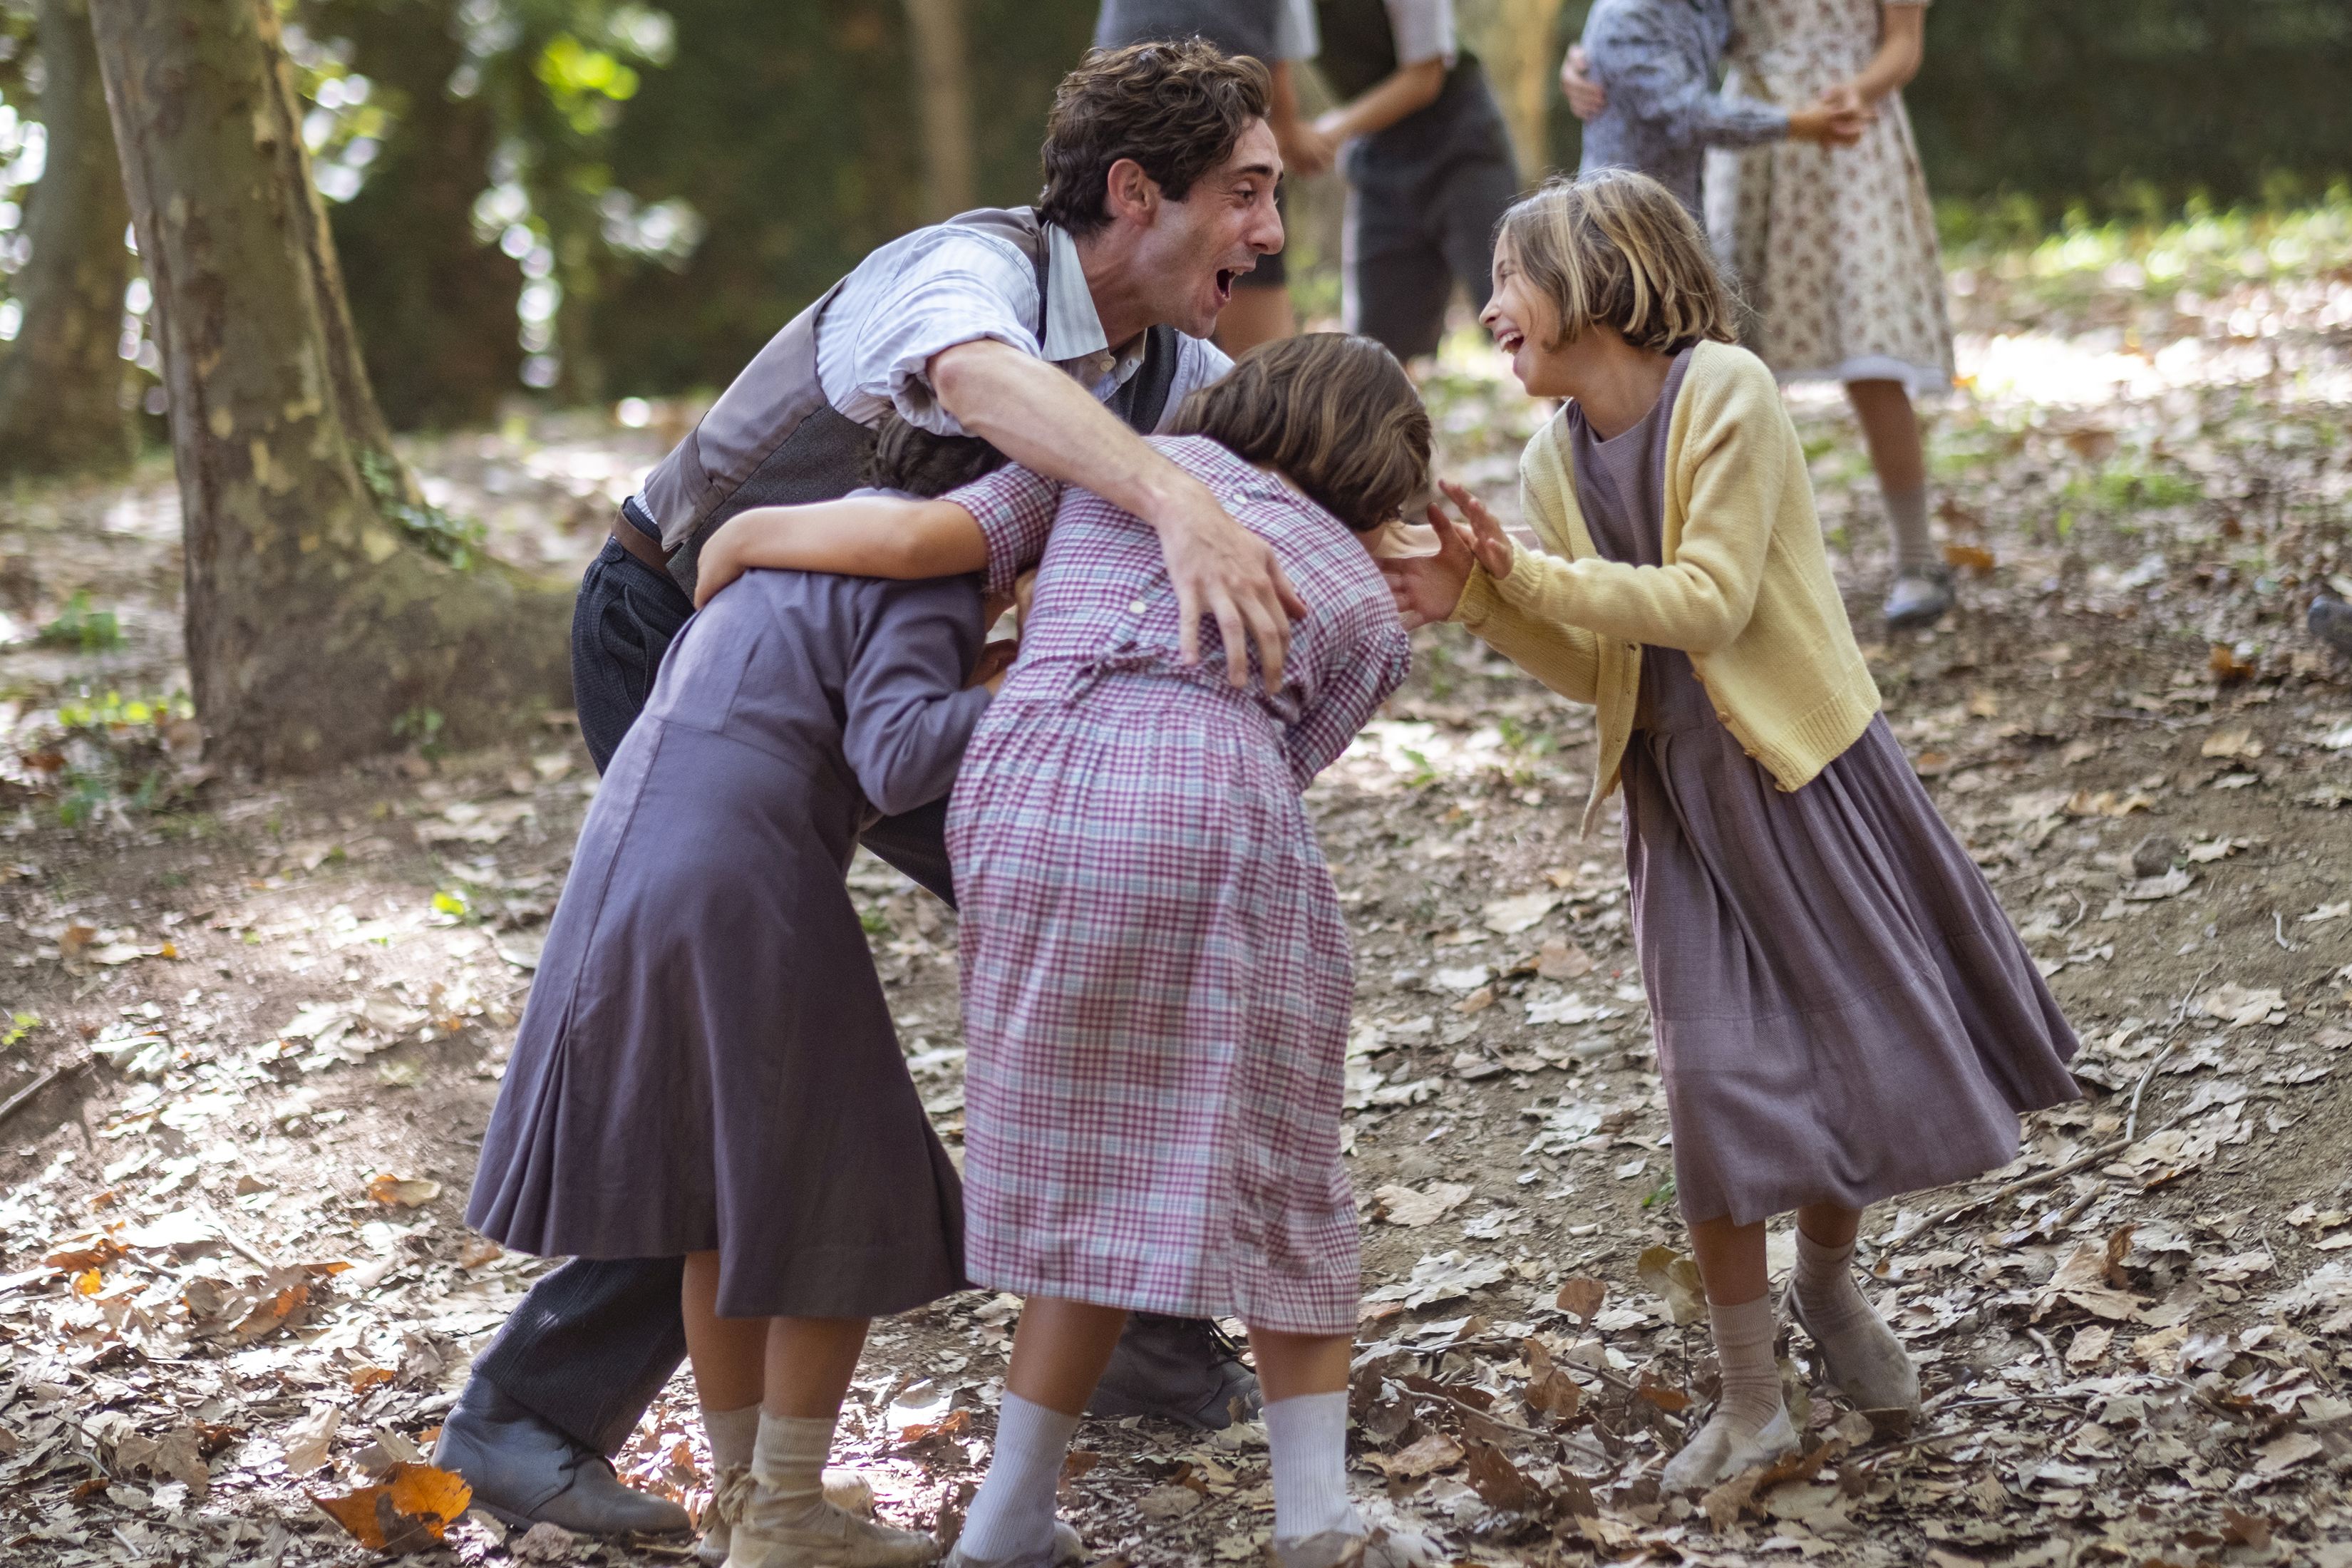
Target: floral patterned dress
(1833,247)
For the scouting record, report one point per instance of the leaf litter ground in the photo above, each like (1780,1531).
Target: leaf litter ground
(232,1278)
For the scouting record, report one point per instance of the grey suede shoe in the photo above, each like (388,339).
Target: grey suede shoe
(526,1471)
(2330,621)
(1716,1453)
(845,1490)
(1067,1548)
(1919,597)
(1182,1369)
(1878,1375)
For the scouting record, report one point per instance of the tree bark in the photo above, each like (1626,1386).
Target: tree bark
(435,307)
(322,606)
(61,384)
(943,104)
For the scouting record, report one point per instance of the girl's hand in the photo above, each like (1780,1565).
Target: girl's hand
(718,564)
(1488,542)
(1428,587)
(1586,97)
(995,660)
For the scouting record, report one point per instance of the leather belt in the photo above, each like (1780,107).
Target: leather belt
(637,543)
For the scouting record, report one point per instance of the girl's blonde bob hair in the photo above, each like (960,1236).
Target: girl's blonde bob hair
(1615,249)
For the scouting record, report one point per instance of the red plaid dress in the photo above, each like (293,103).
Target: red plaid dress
(1156,975)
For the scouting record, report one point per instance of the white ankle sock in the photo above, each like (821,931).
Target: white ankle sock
(1907,519)
(1014,1511)
(1751,1377)
(1309,1436)
(788,1461)
(733,1433)
(1866,1359)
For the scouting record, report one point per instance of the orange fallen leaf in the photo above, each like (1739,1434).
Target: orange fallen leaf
(952,1425)
(88,1284)
(405,1190)
(1973,558)
(406,1513)
(2225,664)
(1580,1298)
(272,1313)
(77,1258)
(366,1377)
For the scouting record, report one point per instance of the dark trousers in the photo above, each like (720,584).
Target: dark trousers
(594,1341)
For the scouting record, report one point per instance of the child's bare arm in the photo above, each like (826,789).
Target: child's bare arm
(863,536)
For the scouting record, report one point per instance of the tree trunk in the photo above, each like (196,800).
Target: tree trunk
(943,104)
(325,602)
(1516,39)
(61,385)
(435,307)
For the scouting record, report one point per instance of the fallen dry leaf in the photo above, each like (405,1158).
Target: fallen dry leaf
(1674,1280)
(1425,1456)
(1580,1298)
(403,1191)
(1401,1206)
(406,1513)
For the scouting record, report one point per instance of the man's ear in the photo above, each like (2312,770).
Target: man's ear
(1129,193)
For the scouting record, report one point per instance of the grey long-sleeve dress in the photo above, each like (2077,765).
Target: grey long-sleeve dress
(706,1060)
(1657,59)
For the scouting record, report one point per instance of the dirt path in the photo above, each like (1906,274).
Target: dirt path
(232,1271)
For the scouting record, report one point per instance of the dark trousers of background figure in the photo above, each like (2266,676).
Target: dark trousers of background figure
(1423,198)
(594,1341)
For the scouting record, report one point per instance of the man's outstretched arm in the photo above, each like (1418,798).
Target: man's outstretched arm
(1043,420)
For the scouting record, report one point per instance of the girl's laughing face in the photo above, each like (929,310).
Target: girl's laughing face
(1526,325)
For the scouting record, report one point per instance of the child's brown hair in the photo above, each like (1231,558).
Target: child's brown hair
(1332,412)
(1615,249)
(906,456)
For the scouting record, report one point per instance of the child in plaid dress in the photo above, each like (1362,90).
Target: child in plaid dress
(1156,972)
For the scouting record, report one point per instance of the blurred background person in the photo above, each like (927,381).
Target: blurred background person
(1281,33)
(1835,249)
(1429,165)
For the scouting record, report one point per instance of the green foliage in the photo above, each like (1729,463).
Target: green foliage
(114,756)
(79,627)
(458,542)
(20,1024)
(420,727)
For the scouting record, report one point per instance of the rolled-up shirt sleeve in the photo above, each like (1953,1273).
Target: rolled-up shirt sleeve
(963,287)
(1015,508)
(1424,30)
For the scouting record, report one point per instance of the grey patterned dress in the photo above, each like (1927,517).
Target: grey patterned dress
(1657,59)
(1843,1010)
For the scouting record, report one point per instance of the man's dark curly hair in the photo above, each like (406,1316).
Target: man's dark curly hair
(1177,108)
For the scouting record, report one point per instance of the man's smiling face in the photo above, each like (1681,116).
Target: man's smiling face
(1195,249)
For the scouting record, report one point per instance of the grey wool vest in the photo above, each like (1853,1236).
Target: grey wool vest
(772,440)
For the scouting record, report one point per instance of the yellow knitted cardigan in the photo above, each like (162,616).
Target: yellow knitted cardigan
(1745,588)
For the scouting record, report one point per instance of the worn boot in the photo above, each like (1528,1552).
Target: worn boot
(1183,1369)
(845,1490)
(1920,596)
(1067,1548)
(787,1521)
(1751,1427)
(526,1471)
(2330,621)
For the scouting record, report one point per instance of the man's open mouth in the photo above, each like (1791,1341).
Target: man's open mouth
(1226,275)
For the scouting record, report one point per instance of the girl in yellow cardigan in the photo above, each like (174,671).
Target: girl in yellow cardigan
(1843,1011)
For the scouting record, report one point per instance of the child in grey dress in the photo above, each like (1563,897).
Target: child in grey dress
(707,1067)
(1658,59)
(1842,1011)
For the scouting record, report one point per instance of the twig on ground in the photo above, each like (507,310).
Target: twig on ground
(2278,931)
(2172,1038)
(25,1096)
(242,1247)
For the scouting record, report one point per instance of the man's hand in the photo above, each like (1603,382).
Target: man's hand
(1586,97)
(1042,420)
(1428,588)
(1221,570)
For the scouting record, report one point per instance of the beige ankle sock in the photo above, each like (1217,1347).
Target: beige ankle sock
(789,1464)
(1865,1360)
(1907,519)
(733,1433)
(1750,1426)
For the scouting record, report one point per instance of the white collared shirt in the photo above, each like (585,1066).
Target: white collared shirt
(927,291)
